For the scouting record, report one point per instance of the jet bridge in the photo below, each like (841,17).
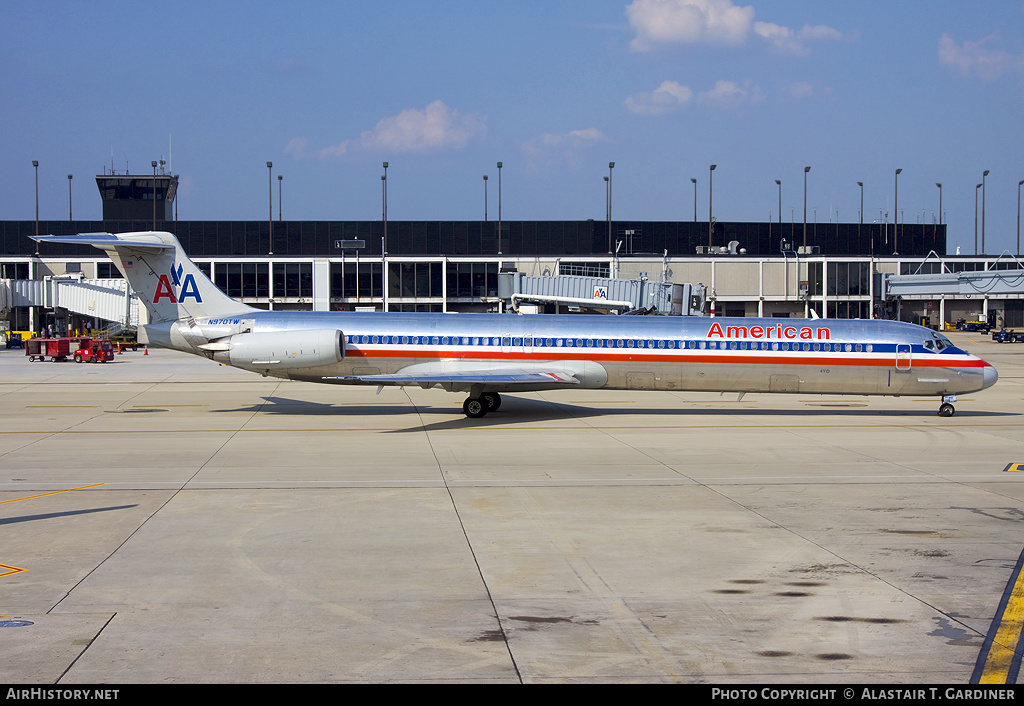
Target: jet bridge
(1007,284)
(107,299)
(621,296)
(1004,280)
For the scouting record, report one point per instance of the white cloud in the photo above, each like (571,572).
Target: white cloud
(801,89)
(820,32)
(729,94)
(715,22)
(686,21)
(296,147)
(663,99)
(568,146)
(787,41)
(974,58)
(433,129)
(334,151)
(782,38)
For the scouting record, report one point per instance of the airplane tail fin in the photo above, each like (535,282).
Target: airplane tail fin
(168,283)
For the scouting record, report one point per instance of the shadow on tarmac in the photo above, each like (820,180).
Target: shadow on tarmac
(69,513)
(524,410)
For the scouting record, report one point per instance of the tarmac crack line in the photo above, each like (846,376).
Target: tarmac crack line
(967,628)
(952,618)
(156,511)
(85,649)
(469,542)
(608,433)
(46,435)
(645,642)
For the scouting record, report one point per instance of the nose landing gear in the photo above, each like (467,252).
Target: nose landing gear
(946,409)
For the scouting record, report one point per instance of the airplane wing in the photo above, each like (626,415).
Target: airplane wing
(501,376)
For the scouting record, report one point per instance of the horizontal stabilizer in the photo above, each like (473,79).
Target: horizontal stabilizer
(105,241)
(168,284)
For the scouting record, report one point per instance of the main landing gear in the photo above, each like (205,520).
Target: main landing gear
(476,407)
(946,409)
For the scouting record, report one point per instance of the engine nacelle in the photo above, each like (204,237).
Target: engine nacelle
(281,350)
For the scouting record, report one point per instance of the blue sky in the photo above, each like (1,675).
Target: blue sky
(554,90)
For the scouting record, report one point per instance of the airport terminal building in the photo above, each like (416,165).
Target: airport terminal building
(838,270)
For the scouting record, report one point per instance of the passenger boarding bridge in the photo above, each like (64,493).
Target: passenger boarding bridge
(939,283)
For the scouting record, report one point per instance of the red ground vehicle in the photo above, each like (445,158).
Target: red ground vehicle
(92,351)
(56,349)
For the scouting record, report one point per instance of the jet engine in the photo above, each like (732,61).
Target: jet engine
(281,350)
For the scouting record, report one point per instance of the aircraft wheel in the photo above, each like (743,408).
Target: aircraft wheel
(474,407)
(946,410)
(492,399)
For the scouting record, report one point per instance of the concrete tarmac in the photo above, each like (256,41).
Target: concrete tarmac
(165,519)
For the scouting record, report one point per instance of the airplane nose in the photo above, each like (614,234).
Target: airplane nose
(990,377)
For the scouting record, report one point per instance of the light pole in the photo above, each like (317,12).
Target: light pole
(280,178)
(983,175)
(499,208)
(70,216)
(940,201)
(384,240)
(270,206)
(694,199)
(976,187)
(611,165)
(806,169)
(896,214)
(711,191)
(778,182)
(153,163)
(608,204)
(485,198)
(1019,183)
(860,225)
(35,164)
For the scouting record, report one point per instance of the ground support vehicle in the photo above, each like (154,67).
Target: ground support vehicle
(982,326)
(56,349)
(91,350)
(125,340)
(1008,336)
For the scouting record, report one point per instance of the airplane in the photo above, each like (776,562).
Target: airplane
(485,355)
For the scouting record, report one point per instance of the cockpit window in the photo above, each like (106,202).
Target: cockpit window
(941,342)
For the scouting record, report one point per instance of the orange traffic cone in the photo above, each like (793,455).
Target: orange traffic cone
(145,350)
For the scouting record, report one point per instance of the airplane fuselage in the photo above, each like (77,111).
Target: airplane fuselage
(829,356)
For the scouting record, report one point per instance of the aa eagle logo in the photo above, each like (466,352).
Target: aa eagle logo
(189,289)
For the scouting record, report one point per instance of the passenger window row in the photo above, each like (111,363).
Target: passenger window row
(528,342)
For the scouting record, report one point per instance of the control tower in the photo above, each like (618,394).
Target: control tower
(131,197)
